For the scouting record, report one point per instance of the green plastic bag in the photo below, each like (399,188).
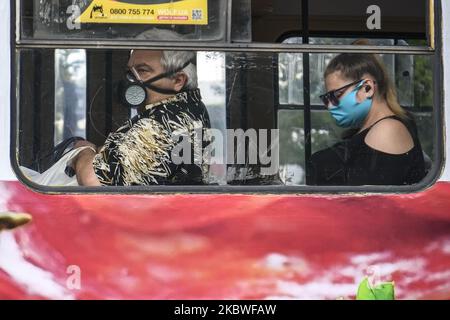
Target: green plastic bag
(382,291)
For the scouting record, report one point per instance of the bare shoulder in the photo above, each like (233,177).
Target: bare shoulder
(390,136)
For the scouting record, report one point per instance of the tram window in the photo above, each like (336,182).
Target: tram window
(240,94)
(270,19)
(256,21)
(264,102)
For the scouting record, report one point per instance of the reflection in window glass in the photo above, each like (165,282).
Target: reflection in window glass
(412,74)
(404,78)
(241,28)
(290,75)
(423,81)
(272,18)
(292,147)
(318,64)
(211,81)
(290,71)
(425,128)
(70,94)
(324,133)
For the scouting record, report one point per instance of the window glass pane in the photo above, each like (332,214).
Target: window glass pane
(70,94)
(251,110)
(258,21)
(241,27)
(324,132)
(404,77)
(361,16)
(256,134)
(402,67)
(290,75)
(72,70)
(290,78)
(211,81)
(272,19)
(292,147)
(317,66)
(332,144)
(413,76)
(425,124)
(423,81)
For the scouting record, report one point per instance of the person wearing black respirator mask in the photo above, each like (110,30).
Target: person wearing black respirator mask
(162,86)
(134,90)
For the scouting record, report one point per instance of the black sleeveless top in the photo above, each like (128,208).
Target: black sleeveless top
(353,163)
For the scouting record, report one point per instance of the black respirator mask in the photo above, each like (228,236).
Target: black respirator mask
(132,90)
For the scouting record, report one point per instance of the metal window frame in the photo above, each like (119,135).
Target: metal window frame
(318,107)
(434,48)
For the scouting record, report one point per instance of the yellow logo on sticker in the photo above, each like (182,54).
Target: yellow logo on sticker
(97,12)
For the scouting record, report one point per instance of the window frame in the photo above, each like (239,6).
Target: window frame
(434,49)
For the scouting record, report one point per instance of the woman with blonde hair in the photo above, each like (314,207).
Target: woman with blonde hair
(383,148)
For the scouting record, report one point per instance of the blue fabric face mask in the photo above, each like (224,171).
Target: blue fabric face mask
(349,113)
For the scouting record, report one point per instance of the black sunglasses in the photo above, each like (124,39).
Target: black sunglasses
(330,96)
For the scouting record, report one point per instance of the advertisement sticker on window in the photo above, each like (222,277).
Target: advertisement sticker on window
(186,12)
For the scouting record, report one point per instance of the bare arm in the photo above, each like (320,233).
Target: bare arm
(85,170)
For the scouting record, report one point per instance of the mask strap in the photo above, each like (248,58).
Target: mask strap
(165,75)
(359,85)
(161,90)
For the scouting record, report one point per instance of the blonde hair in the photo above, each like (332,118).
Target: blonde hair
(354,66)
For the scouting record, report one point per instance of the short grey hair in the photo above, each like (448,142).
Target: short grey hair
(173,60)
